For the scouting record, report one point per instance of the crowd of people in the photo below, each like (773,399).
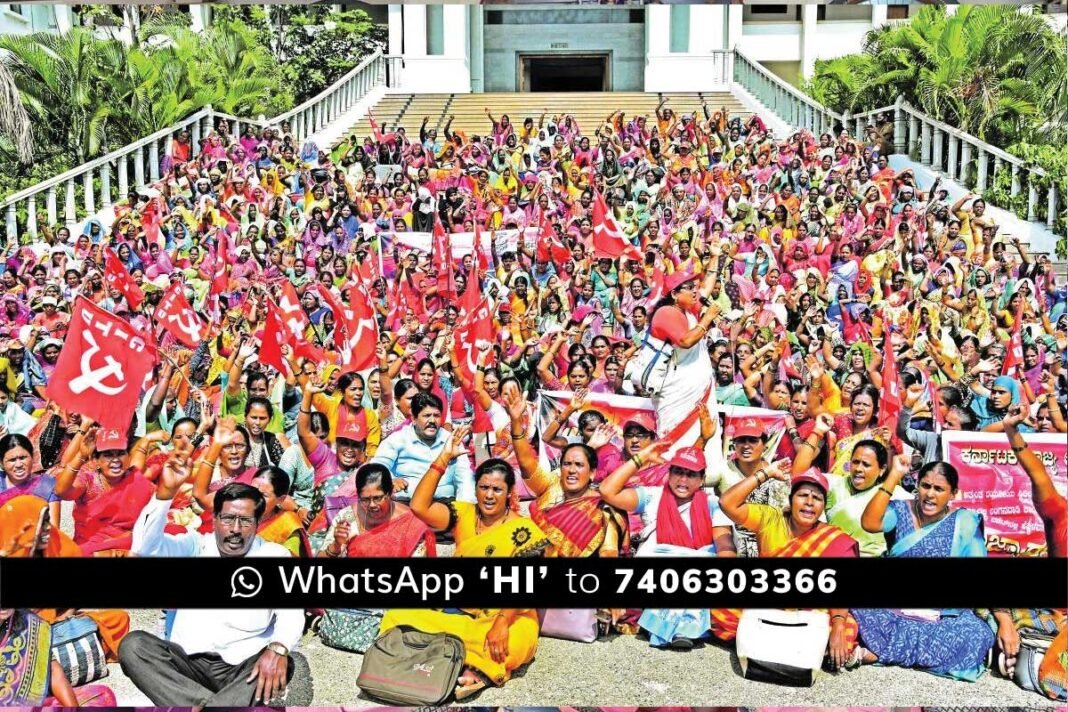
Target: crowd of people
(695,259)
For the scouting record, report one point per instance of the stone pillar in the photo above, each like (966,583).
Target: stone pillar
(808,39)
(414,30)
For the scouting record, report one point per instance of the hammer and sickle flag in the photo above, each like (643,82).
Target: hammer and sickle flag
(176,316)
(101,367)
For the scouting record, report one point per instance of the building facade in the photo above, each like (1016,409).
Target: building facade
(672,47)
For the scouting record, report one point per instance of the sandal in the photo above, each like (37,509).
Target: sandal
(856,659)
(462,692)
(681,643)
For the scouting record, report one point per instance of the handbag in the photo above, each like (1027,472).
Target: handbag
(351,629)
(410,668)
(1033,646)
(784,647)
(649,369)
(578,624)
(76,647)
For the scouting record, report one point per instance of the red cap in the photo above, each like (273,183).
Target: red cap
(110,439)
(676,279)
(689,458)
(747,428)
(643,419)
(810,476)
(354,427)
(504,308)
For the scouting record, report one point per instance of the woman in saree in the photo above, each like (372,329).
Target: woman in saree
(680,519)
(108,487)
(843,432)
(794,532)
(27,531)
(345,404)
(376,526)
(691,380)
(496,641)
(848,495)
(28,674)
(951,643)
(567,508)
(17,461)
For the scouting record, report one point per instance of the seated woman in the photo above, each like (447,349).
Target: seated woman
(849,495)
(16,460)
(383,527)
(796,532)
(497,641)
(109,494)
(952,643)
(26,530)
(567,508)
(28,674)
(680,519)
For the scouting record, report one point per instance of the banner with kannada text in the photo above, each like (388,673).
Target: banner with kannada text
(994,484)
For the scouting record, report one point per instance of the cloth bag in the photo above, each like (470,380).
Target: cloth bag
(649,368)
(351,629)
(410,668)
(1034,644)
(784,647)
(578,624)
(76,647)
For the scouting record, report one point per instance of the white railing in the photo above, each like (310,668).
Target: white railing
(138,164)
(961,156)
(789,104)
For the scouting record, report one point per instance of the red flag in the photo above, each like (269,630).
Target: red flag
(481,261)
(118,278)
(220,281)
(363,330)
(150,221)
(608,240)
(101,368)
(550,249)
(441,257)
(476,326)
(890,394)
(1014,354)
(176,316)
(344,318)
(273,336)
(296,323)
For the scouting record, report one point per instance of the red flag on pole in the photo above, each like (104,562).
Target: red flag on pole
(341,323)
(296,323)
(273,336)
(220,281)
(890,394)
(363,330)
(550,249)
(475,327)
(118,278)
(176,316)
(150,222)
(608,240)
(1014,354)
(441,256)
(101,368)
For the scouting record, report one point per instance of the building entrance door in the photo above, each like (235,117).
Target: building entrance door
(564,72)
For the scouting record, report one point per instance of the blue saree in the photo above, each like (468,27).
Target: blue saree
(957,643)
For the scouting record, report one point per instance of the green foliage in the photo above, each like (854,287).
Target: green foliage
(86,94)
(991,70)
(996,72)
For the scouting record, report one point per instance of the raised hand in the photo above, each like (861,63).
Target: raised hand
(824,424)
(653,453)
(342,532)
(225,431)
(515,404)
(455,447)
(579,398)
(708,423)
(899,467)
(601,436)
(1016,415)
(176,472)
(779,470)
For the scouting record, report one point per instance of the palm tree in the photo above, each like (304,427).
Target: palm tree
(14,121)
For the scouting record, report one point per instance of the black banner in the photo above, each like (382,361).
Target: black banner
(533,583)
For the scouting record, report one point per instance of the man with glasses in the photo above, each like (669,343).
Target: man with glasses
(211,658)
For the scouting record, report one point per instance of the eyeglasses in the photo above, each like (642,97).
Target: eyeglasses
(377,499)
(235,447)
(229,520)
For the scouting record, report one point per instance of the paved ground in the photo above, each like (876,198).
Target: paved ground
(626,671)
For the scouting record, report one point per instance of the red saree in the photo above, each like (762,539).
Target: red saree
(575,527)
(107,522)
(399,537)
